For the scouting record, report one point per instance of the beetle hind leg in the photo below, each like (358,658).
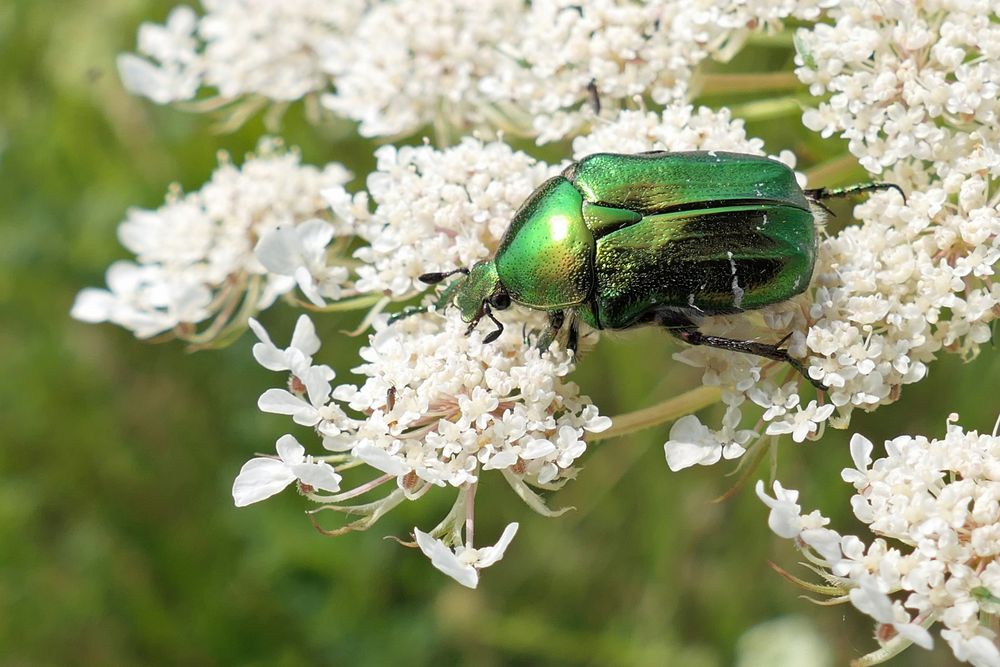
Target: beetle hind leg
(817,195)
(692,336)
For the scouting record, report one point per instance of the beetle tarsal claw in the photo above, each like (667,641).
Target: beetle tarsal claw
(493,335)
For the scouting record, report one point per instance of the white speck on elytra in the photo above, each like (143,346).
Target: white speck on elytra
(738,291)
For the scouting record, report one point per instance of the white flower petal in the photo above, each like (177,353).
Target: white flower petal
(317,474)
(290,450)
(380,459)
(304,337)
(281,402)
(490,555)
(445,560)
(260,478)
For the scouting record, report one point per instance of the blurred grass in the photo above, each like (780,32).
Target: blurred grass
(119,544)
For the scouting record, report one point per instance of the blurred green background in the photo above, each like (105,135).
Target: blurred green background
(119,544)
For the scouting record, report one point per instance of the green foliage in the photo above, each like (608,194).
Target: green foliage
(120,544)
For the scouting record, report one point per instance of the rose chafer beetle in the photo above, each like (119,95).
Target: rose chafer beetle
(662,238)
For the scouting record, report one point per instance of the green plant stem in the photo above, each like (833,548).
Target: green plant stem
(783,39)
(752,82)
(776,107)
(351,303)
(832,171)
(667,411)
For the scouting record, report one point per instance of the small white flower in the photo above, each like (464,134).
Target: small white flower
(195,254)
(869,598)
(979,650)
(803,423)
(299,252)
(784,519)
(691,443)
(463,563)
(305,343)
(316,382)
(263,477)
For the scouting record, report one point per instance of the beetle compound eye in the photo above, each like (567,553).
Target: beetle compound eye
(500,300)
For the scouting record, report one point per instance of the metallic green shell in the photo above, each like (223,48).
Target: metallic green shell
(545,259)
(709,261)
(475,288)
(660,182)
(619,238)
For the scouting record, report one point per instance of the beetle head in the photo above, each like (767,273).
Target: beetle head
(476,294)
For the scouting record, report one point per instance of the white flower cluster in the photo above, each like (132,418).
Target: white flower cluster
(195,255)
(915,278)
(399,65)
(910,84)
(441,404)
(934,507)
(274,50)
(438,407)
(435,210)
(566,53)
(411,63)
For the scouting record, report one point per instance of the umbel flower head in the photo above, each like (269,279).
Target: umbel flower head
(438,407)
(195,255)
(545,68)
(441,408)
(933,508)
(913,90)
(255,52)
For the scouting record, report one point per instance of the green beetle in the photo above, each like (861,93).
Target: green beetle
(661,237)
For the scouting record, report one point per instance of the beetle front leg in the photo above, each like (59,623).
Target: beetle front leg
(693,336)
(556,320)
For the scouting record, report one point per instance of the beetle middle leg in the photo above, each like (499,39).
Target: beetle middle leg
(819,194)
(688,332)
(556,320)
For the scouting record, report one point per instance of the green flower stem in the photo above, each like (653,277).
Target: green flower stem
(661,413)
(776,107)
(832,171)
(752,82)
(784,39)
(351,303)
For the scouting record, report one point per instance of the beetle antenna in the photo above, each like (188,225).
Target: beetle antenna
(436,277)
(493,335)
(818,194)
